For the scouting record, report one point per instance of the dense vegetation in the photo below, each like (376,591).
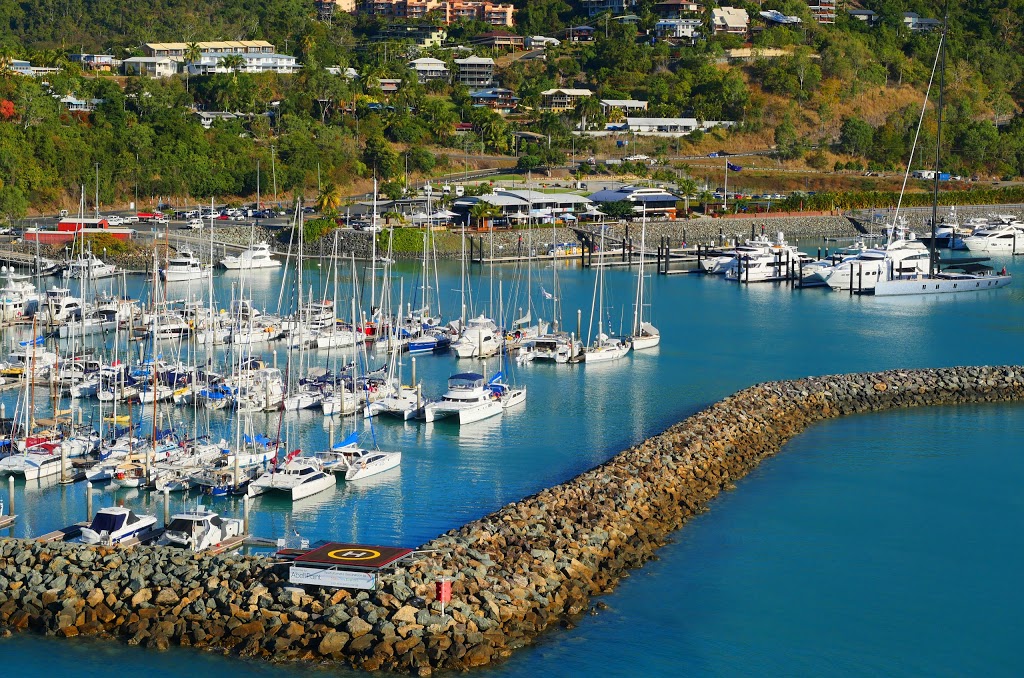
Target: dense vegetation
(826,103)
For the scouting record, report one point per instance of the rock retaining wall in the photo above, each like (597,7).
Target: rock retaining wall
(532,564)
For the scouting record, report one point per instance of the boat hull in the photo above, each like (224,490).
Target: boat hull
(945,285)
(386,463)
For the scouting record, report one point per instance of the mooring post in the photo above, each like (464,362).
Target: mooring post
(10,495)
(245,514)
(88,500)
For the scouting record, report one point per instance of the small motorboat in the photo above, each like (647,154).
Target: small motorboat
(115,525)
(199,530)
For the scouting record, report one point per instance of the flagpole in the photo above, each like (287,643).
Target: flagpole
(725,198)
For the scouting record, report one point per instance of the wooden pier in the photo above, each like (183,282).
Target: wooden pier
(63,534)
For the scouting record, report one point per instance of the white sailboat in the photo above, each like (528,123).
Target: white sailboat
(645,335)
(604,347)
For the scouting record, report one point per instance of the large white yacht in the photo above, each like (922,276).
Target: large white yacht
(90,267)
(468,399)
(863,271)
(1000,238)
(185,266)
(256,257)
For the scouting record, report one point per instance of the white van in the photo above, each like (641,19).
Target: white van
(195,224)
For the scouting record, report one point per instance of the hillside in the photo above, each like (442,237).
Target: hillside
(843,98)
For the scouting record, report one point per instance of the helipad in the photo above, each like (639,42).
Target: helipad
(352,556)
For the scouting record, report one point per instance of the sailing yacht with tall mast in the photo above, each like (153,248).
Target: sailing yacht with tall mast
(604,347)
(937,281)
(645,335)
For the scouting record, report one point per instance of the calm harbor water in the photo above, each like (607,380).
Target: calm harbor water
(876,544)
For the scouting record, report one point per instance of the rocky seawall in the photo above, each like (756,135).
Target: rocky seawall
(516,572)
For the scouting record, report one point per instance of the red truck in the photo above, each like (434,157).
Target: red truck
(147,217)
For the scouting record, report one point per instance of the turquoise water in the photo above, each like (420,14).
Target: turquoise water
(827,561)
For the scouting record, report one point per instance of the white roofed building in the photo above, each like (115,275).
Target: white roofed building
(562,99)
(428,69)
(732,20)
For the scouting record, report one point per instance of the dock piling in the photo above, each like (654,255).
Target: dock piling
(10,495)
(88,500)
(167,506)
(245,514)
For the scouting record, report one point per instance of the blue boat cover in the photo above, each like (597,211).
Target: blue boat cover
(351,439)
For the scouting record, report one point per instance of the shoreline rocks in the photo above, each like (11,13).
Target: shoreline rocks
(531,565)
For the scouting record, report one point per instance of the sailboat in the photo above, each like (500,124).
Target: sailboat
(645,335)
(973,278)
(604,348)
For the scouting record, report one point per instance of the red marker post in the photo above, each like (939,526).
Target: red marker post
(444,592)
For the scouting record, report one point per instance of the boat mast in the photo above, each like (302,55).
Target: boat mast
(933,263)
(373,251)
(637,310)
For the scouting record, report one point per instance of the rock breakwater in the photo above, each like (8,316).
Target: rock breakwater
(533,564)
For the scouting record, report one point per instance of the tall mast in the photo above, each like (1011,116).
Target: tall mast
(637,310)
(373,251)
(933,263)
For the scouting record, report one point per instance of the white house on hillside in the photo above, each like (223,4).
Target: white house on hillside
(730,20)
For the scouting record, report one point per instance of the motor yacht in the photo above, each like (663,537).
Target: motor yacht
(256,257)
(185,266)
(199,530)
(863,271)
(468,400)
(997,239)
(480,339)
(90,267)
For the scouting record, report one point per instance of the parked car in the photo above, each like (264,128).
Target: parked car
(195,224)
(115,220)
(130,219)
(159,220)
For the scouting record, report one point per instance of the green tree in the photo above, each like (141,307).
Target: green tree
(855,137)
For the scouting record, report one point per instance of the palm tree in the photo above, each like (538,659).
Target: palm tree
(687,187)
(705,197)
(587,111)
(234,63)
(329,199)
(193,53)
(481,211)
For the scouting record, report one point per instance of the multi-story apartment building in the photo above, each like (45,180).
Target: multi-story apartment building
(677,9)
(258,56)
(595,7)
(823,11)
(176,50)
(428,69)
(449,11)
(563,99)
(475,71)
